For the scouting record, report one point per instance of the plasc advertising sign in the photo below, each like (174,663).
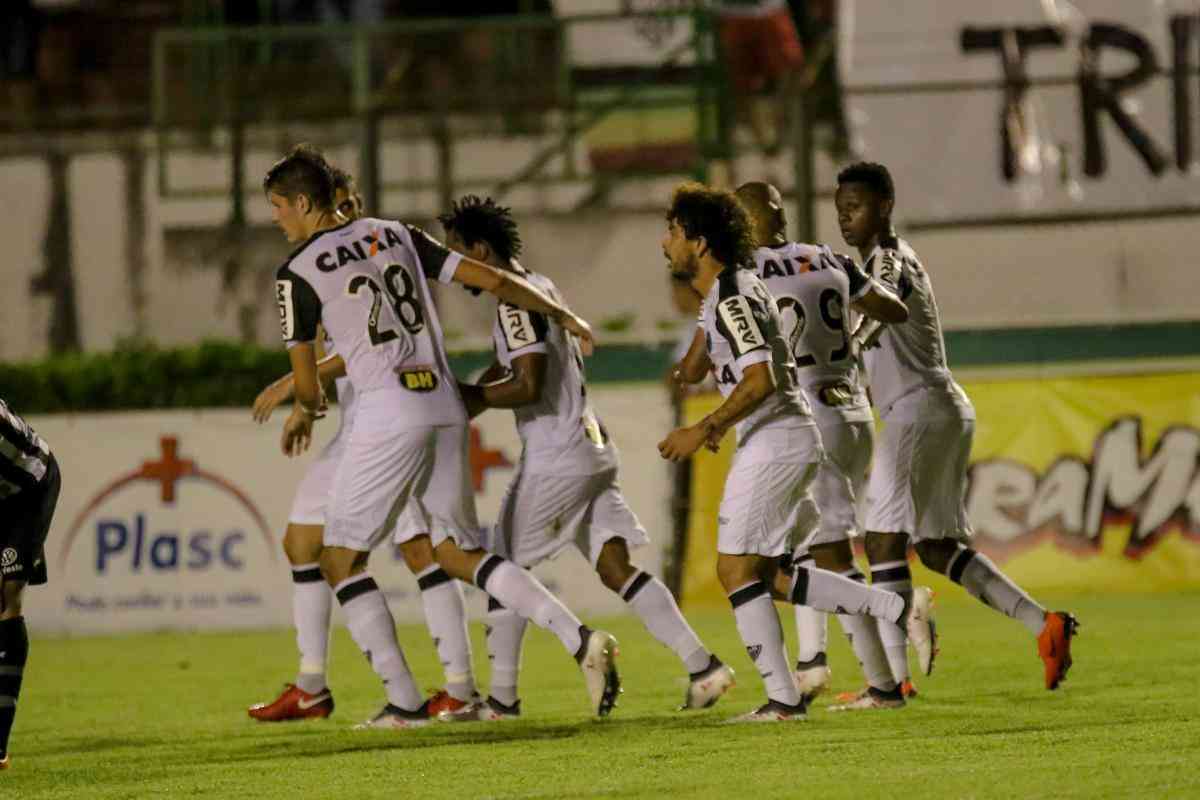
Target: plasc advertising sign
(174,520)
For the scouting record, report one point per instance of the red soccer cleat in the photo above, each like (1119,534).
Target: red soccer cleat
(443,705)
(1054,646)
(6,762)
(908,689)
(294,703)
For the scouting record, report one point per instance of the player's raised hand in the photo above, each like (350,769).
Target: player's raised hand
(297,433)
(579,326)
(269,398)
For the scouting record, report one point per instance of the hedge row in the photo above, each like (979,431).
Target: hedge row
(140,375)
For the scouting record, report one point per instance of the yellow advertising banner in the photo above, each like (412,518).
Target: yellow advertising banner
(1076,484)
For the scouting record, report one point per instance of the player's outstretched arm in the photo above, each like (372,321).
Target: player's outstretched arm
(756,385)
(509,287)
(523,386)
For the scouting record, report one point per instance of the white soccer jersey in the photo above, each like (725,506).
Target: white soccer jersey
(813,289)
(742,327)
(561,421)
(911,355)
(345,392)
(366,282)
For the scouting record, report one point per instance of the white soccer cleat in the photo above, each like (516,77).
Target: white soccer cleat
(872,698)
(599,665)
(772,711)
(812,681)
(708,686)
(396,718)
(922,631)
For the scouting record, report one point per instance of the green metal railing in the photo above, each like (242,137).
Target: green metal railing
(419,78)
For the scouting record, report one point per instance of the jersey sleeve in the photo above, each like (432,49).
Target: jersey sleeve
(742,320)
(890,271)
(524,331)
(438,262)
(299,307)
(860,282)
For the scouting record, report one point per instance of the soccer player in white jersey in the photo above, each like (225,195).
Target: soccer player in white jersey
(919,477)
(815,289)
(565,492)
(404,471)
(740,338)
(312,601)
(30,482)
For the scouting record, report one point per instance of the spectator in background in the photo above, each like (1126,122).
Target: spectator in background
(816,23)
(20,28)
(763,55)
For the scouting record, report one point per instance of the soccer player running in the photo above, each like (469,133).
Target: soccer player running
(312,600)
(565,492)
(29,486)
(919,477)
(814,289)
(404,471)
(709,240)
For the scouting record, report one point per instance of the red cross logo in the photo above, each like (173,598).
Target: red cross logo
(169,469)
(483,459)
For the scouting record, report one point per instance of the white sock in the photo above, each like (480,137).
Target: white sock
(762,634)
(863,633)
(505,633)
(828,591)
(812,629)
(517,589)
(312,603)
(446,617)
(374,631)
(652,602)
(980,576)
(896,577)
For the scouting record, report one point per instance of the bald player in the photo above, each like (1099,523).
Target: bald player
(815,290)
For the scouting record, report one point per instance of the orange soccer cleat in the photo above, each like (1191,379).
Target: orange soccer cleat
(294,703)
(445,706)
(1054,646)
(6,762)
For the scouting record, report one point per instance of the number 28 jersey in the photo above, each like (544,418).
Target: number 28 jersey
(366,282)
(742,327)
(814,288)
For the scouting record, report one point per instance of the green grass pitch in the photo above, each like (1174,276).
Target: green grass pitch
(164,716)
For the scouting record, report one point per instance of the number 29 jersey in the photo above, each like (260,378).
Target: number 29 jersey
(742,327)
(814,288)
(366,282)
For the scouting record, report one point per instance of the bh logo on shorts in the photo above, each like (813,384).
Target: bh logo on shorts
(169,517)
(8,561)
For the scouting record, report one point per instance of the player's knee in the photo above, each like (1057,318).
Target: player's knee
(10,599)
(418,554)
(834,556)
(613,565)
(337,564)
(884,547)
(936,553)
(302,543)
(734,573)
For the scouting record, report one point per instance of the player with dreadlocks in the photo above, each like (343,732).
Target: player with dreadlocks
(565,492)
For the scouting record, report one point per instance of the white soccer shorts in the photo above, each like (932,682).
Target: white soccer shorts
(400,481)
(542,514)
(767,490)
(832,515)
(312,495)
(919,479)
